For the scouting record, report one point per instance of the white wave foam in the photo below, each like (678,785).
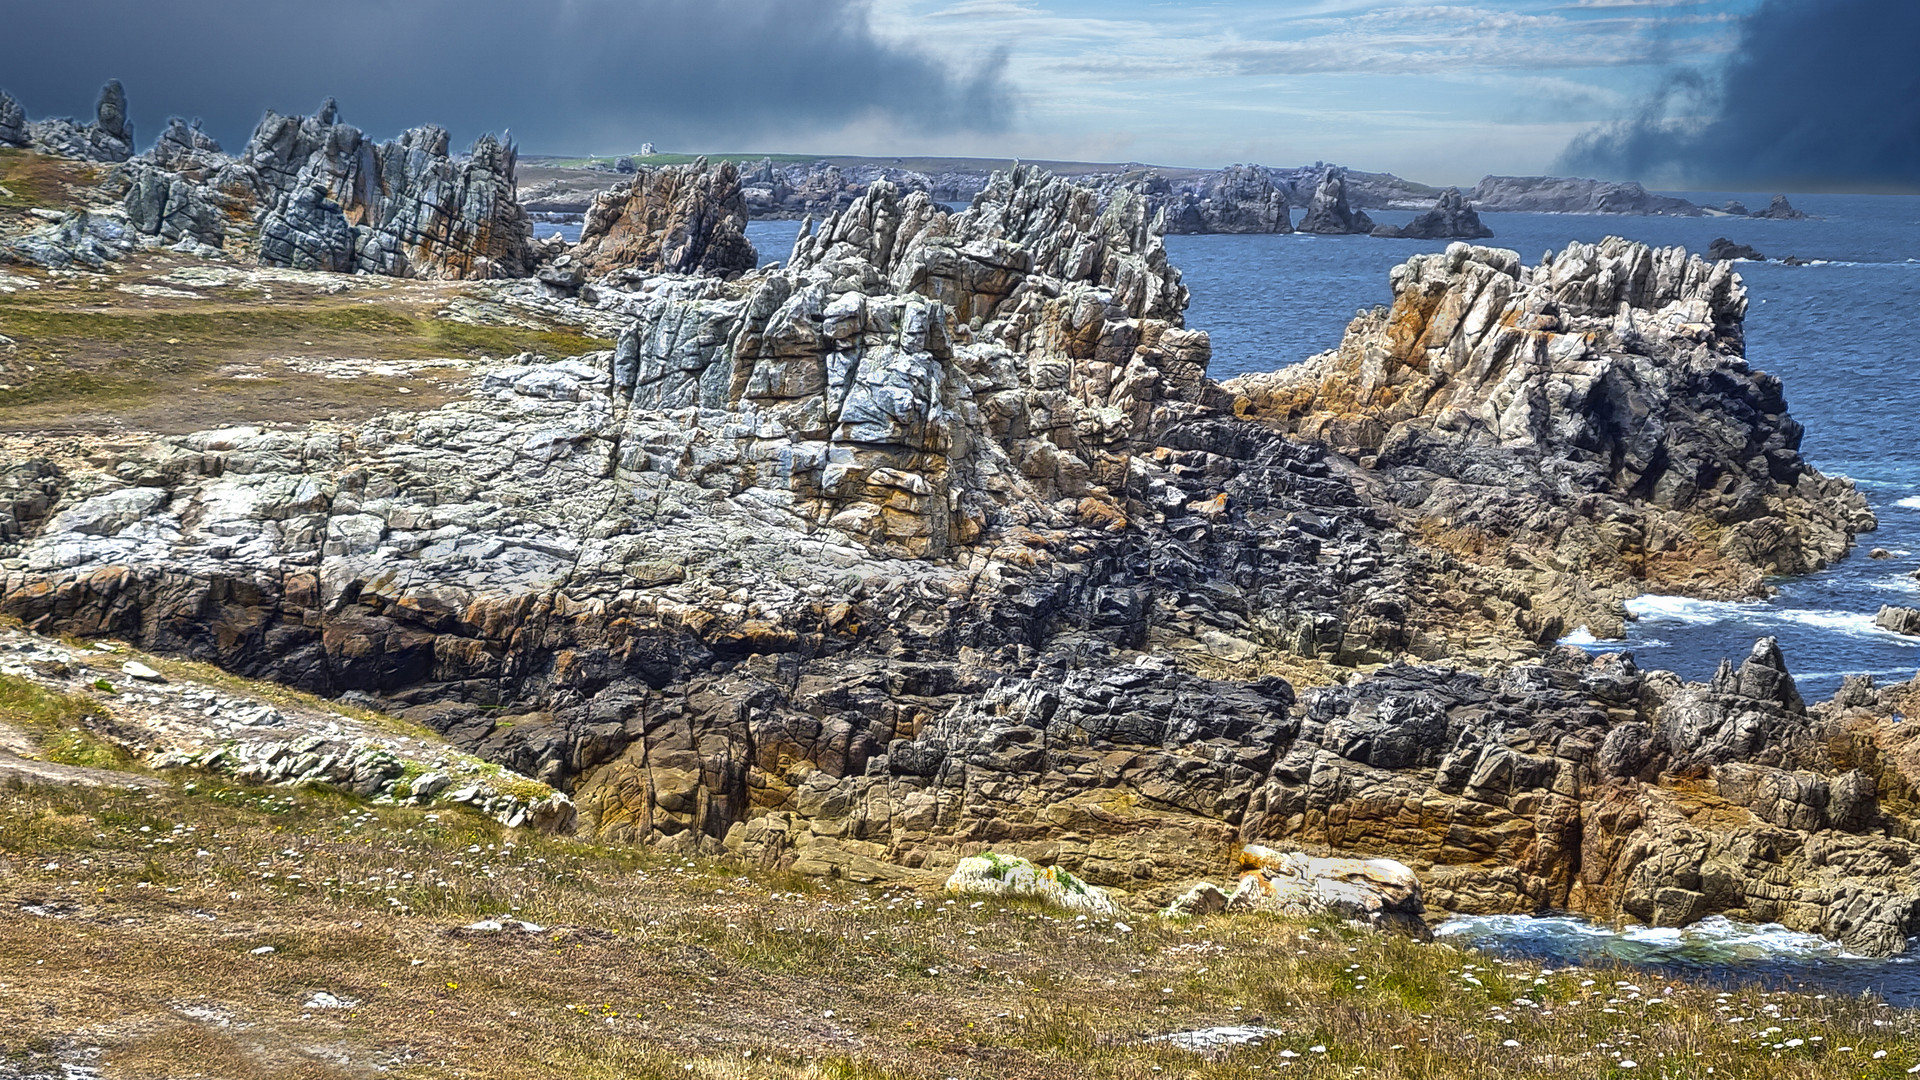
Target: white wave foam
(1911,502)
(1581,636)
(1715,937)
(1685,609)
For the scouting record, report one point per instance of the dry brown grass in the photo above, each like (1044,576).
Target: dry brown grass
(650,965)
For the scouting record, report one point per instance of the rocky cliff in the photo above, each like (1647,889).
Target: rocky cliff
(13,122)
(1592,416)
(688,219)
(1573,195)
(939,538)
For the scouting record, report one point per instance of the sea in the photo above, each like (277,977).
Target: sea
(1842,333)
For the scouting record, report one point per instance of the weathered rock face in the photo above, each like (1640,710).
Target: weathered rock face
(108,139)
(1239,199)
(688,219)
(1329,213)
(1379,893)
(1900,620)
(80,239)
(1591,417)
(13,122)
(413,210)
(1574,195)
(1450,218)
(1780,210)
(854,565)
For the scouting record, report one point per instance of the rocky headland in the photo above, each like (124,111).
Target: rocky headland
(1574,195)
(939,539)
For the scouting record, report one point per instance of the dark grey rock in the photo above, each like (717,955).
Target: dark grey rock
(1725,250)
(13,121)
(1780,210)
(309,233)
(1329,213)
(1450,218)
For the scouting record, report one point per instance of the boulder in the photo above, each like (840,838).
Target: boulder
(108,139)
(1329,213)
(1378,893)
(1900,620)
(1011,877)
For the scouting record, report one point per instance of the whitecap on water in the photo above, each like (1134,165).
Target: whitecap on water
(1911,502)
(1581,636)
(1755,617)
(1713,940)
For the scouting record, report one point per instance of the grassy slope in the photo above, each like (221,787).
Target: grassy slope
(152,904)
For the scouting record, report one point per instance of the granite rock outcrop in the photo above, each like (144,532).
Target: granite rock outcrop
(1451,218)
(13,122)
(1592,417)
(1329,213)
(1780,210)
(938,541)
(108,139)
(1238,199)
(686,219)
(1574,195)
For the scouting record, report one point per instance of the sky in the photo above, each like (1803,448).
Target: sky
(1439,92)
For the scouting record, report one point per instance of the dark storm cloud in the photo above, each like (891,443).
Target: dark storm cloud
(1819,94)
(565,75)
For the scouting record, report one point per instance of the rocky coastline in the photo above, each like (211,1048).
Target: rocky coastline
(938,539)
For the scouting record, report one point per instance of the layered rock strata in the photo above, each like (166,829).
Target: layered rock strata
(1591,418)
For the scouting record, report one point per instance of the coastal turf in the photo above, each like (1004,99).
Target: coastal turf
(135,922)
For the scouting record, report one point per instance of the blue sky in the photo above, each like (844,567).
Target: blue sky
(1438,92)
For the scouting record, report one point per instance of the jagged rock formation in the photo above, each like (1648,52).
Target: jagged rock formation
(13,122)
(1450,218)
(1329,213)
(108,139)
(688,219)
(1592,417)
(1725,250)
(911,549)
(1574,195)
(183,145)
(413,210)
(1780,210)
(1239,199)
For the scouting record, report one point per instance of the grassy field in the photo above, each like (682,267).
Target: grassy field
(88,358)
(193,931)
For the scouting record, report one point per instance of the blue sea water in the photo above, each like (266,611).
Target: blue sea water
(1843,334)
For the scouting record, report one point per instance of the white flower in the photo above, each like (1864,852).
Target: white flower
(1511,1042)
(1316,1049)
(1629,1063)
